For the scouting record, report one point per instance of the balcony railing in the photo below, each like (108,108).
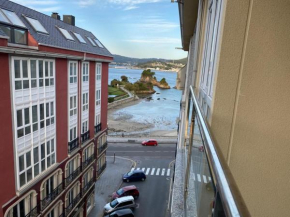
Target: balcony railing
(72,145)
(98,128)
(87,186)
(102,148)
(212,195)
(85,136)
(34,212)
(88,161)
(100,170)
(72,176)
(71,206)
(50,197)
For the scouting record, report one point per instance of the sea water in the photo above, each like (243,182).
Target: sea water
(162,110)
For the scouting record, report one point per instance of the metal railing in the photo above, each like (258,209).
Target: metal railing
(72,176)
(88,161)
(87,186)
(34,212)
(85,136)
(51,196)
(98,128)
(71,206)
(100,170)
(102,148)
(224,195)
(72,145)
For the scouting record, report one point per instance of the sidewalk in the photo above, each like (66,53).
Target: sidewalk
(109,182)
(112,139)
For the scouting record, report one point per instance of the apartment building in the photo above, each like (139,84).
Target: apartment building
(233,141)
(53,114)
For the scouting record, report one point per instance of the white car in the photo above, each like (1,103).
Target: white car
(120,203)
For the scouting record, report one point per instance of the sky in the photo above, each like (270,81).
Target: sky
(132,28)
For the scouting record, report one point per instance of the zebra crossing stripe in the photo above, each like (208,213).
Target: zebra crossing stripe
(204,179)
(157,172)
(163,172)
(193,177)
(132,169)
(198,178)
(152,171)
(143,169)
(168,172)
(147,171)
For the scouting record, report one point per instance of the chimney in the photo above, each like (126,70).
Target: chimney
(55,16)
(69,19)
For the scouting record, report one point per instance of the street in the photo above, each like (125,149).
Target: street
(155,162)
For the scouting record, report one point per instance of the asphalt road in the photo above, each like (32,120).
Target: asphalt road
(155,161)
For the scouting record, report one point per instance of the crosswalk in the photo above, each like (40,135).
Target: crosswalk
(200,178)
(154,171)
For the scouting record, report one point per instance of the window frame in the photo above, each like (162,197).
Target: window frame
(27,18)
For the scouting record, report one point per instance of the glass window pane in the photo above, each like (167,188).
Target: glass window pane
(75,101)
(92,42)
(40,82)
(43,165)
(17,68)
(27,130)
(52,145)
(20,36)
(48,161)
(51,108)
(29,174)
(22,179)
(28,159)
(7,31)
(46,82)
(33,83)
(26,115)
(66,34)
(40,68)
(98,43)
(47,109)
(24,69)
(3,18)
(19,118)
(46,69)
(36,169)
(18,85)
(52,120)
(21,163)
(51,82)
(19,133)
(80,38)
(33,68)
(13,18)
(51,68)
(35,155)
(36,25)
(47,122)
(34,114)
(53,158)
(41,111)
(75,80)
(42,151)
(48,147)
(25,84)
(35,127)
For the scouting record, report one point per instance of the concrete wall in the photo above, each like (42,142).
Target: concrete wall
(250,119)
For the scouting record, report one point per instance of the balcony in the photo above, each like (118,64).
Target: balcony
(85,136)
(98,128)
(50,197)
(102,148)
(72,145)
(101,170)
(33,213)
(87,186)
(72,205)
(212,194)
(88,161)
(72,176)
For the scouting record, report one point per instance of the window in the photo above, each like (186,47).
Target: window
(23,207)
(85,101)
(41,115)
(98,119)
(90,203)
(36,25)
(49,108)
(98,43)
(98,71)
(73,105)
(98,97)
(23,122)
(56,211)
(13,18)
(49,77)
(66,34)
(73,133)
(3,18)
(88,152)
(92,42)
(80,38)
(85,126)
(21,74)
(33,73)
(72,73)
(16,36)
(85,72)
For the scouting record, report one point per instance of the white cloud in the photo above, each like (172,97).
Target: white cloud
(85,3)
(130,8)
(156,40)
(34,2)
(49,9)
(156,24)
(40,5)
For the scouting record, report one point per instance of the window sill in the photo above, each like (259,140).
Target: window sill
(22,46)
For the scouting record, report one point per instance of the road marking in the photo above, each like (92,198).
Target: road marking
(198,178)
(157,172)
(132,169)
(204,179)
(193,177)
(143,169)
(138,168)
(152,171)
(163,172)
(147,171)
(168,172)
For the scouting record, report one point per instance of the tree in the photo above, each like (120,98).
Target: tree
(147,73)
(163,81)
(115,82)
(124,78)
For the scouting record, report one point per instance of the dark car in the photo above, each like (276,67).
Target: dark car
(121,213)
(135,175)
(149,142)
(130,190)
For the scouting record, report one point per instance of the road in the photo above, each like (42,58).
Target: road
(155,161)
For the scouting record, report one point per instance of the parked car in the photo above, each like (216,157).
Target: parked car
(121,213)
(135,175)
(151,142)
(120,203)
(130,190)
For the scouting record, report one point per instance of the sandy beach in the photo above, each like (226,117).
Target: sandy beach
(122,125)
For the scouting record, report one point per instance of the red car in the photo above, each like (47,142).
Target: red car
(152,142)
(130,190)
